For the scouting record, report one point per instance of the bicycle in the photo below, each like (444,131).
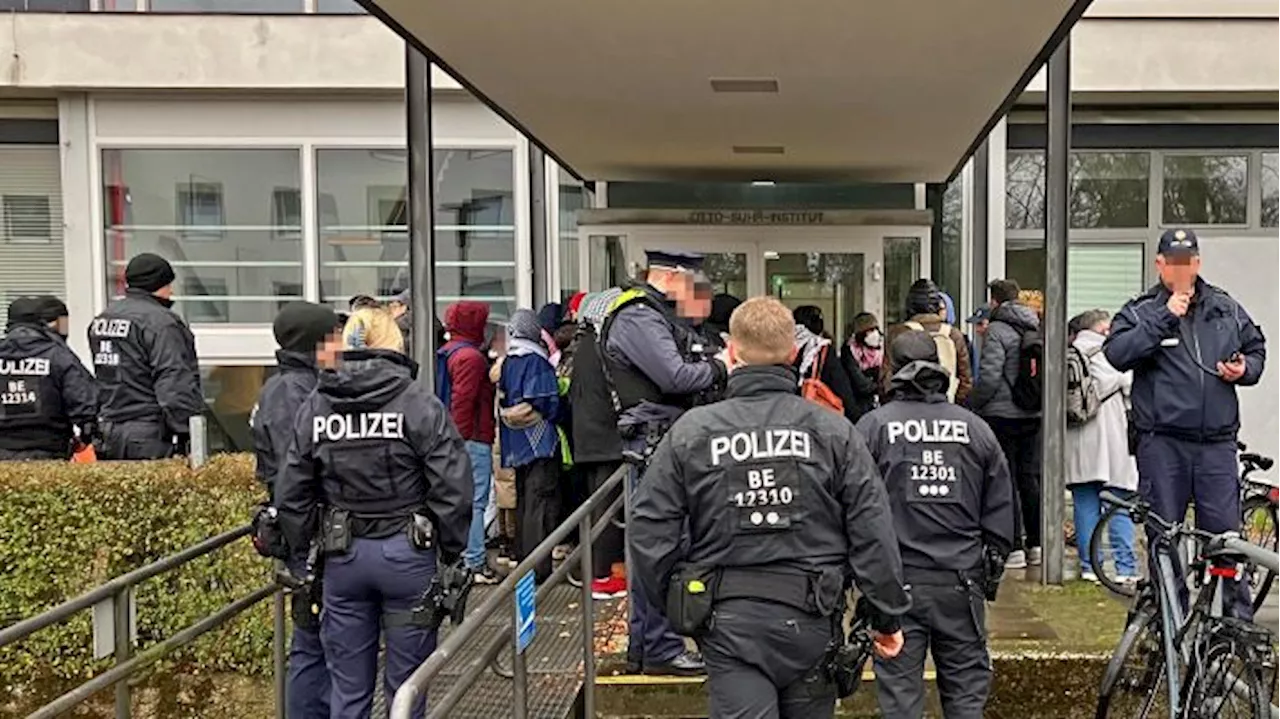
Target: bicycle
(1258,501)
(1192,664)
(1258,521)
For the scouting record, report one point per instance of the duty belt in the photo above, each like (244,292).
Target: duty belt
(920,575)
(817,592)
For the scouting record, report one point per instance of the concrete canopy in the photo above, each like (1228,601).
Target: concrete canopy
(744,90)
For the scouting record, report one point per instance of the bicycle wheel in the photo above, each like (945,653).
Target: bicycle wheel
(1259,524)
(1225,680)
(1101,553)
(1133,684)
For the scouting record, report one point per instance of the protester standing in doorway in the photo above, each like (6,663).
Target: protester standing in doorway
(145,365)
(862,357)
(1011,330)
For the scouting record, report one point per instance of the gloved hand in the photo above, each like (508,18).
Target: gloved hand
(268,537)
(88,432)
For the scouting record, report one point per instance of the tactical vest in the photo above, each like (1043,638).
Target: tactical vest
(629,386)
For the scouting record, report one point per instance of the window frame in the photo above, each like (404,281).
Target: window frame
(1251,157)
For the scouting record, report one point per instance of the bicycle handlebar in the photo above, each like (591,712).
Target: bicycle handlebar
(1216,545)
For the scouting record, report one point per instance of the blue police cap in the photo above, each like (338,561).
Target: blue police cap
(1178,242)
(689,261)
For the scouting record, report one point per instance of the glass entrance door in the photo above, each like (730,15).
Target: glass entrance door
(834,282)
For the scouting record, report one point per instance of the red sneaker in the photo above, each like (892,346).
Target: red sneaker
(611,588)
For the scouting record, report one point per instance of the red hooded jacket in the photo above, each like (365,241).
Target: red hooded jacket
(471,392)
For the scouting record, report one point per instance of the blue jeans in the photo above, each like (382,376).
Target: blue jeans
(481,475)
(1088,510)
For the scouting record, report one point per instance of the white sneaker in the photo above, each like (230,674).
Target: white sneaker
(1034,556)
(1090,577)
(1017,560)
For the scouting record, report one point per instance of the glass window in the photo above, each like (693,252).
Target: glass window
(1110,189)
(237,7)
(1270,190)
(1205,189)
(901,269)
(830,281)
(364,244)
(231,392)
(607,262)
(44,5)
(26,218)
(573,197)
(1024,261)
(946,265)
(339,7)
(1103,276)
(218,216)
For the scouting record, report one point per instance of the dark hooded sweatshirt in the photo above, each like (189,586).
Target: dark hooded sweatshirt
(44,391)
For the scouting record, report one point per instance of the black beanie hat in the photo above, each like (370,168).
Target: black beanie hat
(923,297)
(51,308)
(25,311)
(913,346)
(149,272)
(301,326)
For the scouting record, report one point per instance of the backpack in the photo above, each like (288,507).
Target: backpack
(947,353)
(444,383)
(1027,388)
(816,391)
(1083,400)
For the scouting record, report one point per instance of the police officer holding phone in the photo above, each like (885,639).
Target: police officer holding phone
(378,473)
(783,506)
(1189,345)
(47,398)
(952,499)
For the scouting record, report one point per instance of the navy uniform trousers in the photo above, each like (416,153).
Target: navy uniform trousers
(947,617)
(1172,472)
(307,687)
(651,640)
(767,661)
(368,594)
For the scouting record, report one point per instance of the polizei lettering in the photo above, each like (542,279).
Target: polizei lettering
(31,366)
(107,327)
(366,425)
(932,431)
(761,444)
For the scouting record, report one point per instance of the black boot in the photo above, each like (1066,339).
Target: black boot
(684,664)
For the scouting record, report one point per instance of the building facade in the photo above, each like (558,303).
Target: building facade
(260,148)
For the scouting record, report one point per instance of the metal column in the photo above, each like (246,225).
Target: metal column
(422,251)
(541,251)
(1057,197)
(978,219)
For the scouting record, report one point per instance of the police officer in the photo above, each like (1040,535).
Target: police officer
(952,500)
(780,499)
(47,397)
(657,369)
(144,360)
(378,468)
(307,333)
(1189,345)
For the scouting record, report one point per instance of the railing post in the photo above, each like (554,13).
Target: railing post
(587,572)
(520,683)
(632,471)
(278,653)
(124,648)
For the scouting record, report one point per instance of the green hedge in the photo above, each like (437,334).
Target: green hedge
(65,528)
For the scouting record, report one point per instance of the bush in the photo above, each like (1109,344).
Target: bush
(65,528)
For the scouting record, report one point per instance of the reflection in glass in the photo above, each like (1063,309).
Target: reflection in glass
(830,281)
(573,197)
(45,6)
(606,262)
(1270,190)
(229,221)
(1205,189)
(363,225)
(946,267)
(231,392)
(901,269)
(727,272)
(1108,189)
(238,7)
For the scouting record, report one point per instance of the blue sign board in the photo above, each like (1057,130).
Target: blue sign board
(526,588)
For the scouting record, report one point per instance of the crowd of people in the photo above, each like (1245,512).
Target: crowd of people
(903,455)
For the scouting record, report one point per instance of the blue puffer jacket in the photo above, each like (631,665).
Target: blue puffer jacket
(1174,392)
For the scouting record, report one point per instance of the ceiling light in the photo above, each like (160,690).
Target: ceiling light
(744,84)
(759,150)
(762,183)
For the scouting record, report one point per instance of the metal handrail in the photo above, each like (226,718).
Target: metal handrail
(414,688)
(127,664)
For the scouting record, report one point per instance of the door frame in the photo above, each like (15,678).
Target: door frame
(756,240)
